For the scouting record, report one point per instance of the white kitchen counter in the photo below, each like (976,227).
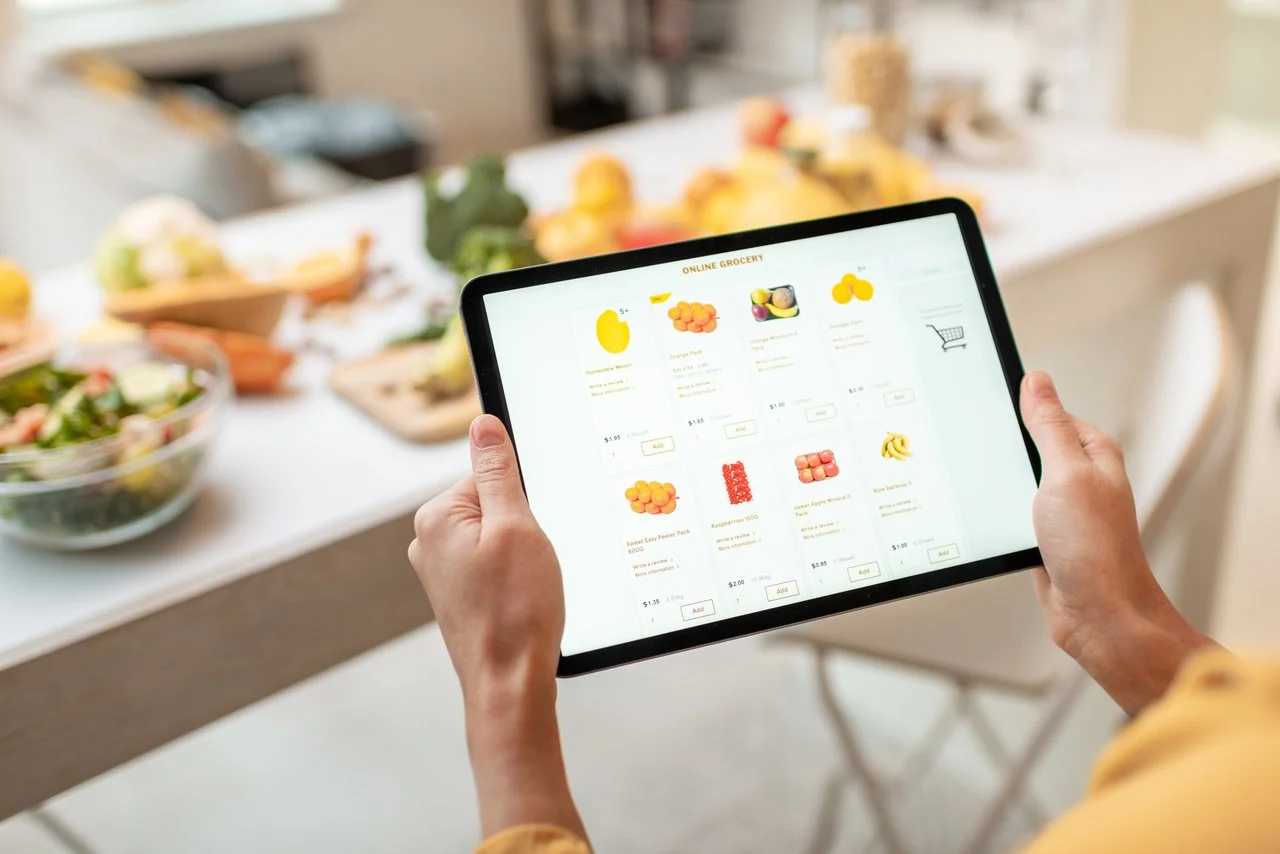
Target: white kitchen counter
(297,478)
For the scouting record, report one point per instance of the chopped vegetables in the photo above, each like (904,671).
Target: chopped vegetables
(68,408)
(83,452)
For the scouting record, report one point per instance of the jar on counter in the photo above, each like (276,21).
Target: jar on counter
(872,70)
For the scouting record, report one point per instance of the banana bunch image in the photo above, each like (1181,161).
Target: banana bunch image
(895,447)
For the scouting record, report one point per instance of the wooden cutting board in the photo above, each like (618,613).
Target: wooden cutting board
(382,386)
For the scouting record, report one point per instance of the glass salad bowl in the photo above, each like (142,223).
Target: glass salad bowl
(107,444)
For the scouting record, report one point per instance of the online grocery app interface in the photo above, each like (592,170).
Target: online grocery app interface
(721,435)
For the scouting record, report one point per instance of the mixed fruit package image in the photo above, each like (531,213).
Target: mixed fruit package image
(774,303)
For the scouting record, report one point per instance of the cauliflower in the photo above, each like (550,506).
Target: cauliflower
(158,239)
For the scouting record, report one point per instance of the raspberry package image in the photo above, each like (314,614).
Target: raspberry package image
(736,483)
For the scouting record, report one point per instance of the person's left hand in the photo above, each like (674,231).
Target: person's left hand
(489,571)
(495,584)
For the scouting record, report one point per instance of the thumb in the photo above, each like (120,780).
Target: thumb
(1051,426)
(494,468)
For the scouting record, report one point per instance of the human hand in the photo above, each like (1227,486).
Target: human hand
(490,572)
(1100,599)
(494,582)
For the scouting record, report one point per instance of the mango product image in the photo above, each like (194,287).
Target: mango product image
(612,332)
(693,316)
(774,303)
(651,497)
(850,287)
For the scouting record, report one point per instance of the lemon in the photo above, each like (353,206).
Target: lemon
(15,291)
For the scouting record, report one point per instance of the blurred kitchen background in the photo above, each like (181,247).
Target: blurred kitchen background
(248,105)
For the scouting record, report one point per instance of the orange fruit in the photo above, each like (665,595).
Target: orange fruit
(680,325)
(682,305)
(654,485)
(670,489)
(711,326)
(696,306)
(652,509)
(701,317)
(637,506)
(673,312)
(644,496)
(660,496)
(669,507)
(709,308)
(686,314)
(693,327)
(632,493)
(640,484)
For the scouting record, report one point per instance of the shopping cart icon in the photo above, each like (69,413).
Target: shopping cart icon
(952,337)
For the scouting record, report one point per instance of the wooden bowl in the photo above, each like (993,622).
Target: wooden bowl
(225,302)
(335,276)
(257,365)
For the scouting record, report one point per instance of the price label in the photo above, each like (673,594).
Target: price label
(898,546)
(613,438)
(818,564)
(779,405)
(857,389)
(737,583)
(649,603)
(694,422)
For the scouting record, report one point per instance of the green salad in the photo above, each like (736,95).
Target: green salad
(58,424)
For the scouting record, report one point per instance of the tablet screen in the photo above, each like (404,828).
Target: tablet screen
(726,434)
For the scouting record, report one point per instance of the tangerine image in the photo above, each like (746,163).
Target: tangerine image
(651,497)
(692,317)
(850,287)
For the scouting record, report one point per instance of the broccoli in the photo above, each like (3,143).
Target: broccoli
(483,200)
(492,249)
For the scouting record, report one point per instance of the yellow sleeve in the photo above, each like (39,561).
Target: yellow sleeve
(1197,772)
(534,839)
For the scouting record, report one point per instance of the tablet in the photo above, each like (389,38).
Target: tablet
(737,433)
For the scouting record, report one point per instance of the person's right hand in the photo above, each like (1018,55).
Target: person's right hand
(1101,601)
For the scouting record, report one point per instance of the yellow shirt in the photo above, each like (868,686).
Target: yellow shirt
(1197,773)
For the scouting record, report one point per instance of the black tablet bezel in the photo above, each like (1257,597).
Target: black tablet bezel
(489,381)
